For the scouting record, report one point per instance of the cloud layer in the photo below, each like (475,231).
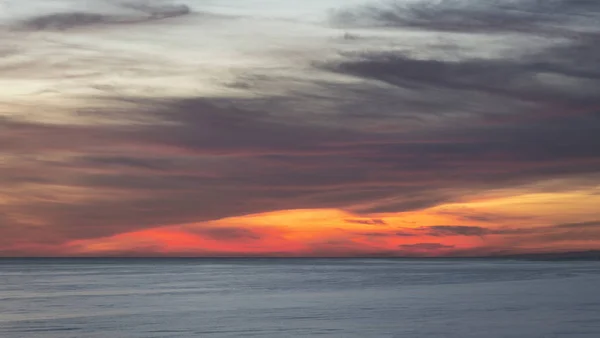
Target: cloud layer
(420,135)
(103,13)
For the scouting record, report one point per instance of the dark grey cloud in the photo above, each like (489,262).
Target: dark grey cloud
(457,230)
(485,217)
(559,85)
(589,235)
(561,228)
(61,21)
(559,78)
(558,232)
(425,247)
(486,16)
(389,234)
(375,234)
(544,77)
(137,13)
(372,221)
(200,125)
(579,225)
(408,201)
(580,233)
(404,234)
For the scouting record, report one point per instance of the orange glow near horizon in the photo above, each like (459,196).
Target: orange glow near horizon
(332,232)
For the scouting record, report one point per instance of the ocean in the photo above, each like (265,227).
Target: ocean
(268,297)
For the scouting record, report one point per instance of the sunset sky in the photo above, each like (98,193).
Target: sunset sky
(299,128)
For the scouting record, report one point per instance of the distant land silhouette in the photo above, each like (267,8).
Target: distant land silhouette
(589,255)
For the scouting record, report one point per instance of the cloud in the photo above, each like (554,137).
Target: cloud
(157,11)
(372,221)
(562,112)
(29,136)
(404,234)
(75,19)
(387,125)
(578,236)
(457,230)
(124,162)
(64,21)
(201,161)
(535,80)
(545,76)
(227,233)
(471,215)
(579,231)
(389,234)
(574,234)
(579,225)
(485,16)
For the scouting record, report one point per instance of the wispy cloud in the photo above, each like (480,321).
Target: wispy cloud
(372,221)
(487,16)
(119,13)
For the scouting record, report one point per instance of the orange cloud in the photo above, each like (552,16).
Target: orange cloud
(507,222)
(287,233)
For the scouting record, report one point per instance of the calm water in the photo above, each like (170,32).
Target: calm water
(299,298)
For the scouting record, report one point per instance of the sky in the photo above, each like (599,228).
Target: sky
(299,128)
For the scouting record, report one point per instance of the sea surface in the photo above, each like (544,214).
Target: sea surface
(108,298)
